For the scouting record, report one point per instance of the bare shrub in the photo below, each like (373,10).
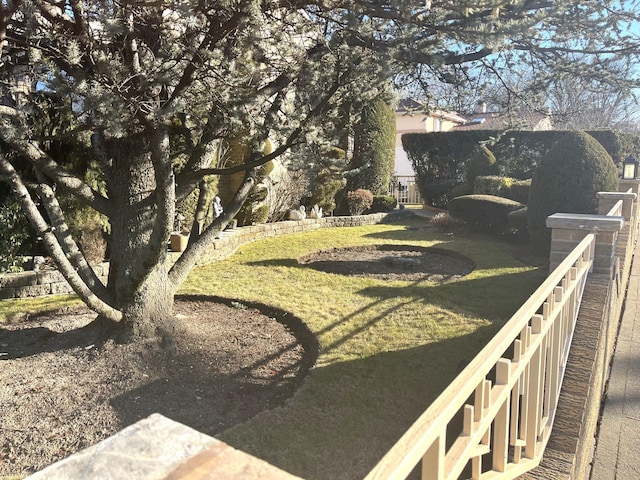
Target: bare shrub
(285,190)
(446,223)
(359,201)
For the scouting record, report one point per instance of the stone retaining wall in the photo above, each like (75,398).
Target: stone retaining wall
(51,282)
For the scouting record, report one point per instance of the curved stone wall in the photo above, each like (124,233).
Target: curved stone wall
(51,282)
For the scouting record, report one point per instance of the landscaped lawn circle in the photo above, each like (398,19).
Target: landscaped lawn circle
(391,262)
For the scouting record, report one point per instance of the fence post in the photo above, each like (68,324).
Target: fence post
(634,185)
(607,200)
(569,229)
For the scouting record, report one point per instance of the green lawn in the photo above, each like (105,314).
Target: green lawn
(386,348)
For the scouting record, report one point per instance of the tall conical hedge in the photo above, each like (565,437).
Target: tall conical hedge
(374,148)
(567,180)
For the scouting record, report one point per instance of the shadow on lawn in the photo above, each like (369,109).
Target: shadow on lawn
(491,298)
(349,414)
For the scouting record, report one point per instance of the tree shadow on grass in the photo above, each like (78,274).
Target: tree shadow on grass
(349,414)
(490,298)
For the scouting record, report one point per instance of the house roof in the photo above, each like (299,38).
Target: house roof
(409,105)
(500,121)
(480,120)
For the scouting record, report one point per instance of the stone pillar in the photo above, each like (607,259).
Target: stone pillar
(607,200)
(634,185)
(569,229)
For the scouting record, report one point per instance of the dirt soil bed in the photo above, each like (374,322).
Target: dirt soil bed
(63,389)
(392,262)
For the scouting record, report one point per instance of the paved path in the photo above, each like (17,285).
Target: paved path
(617,455)
(427,211)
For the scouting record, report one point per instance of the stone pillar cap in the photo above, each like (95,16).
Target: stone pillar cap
(582,221)
(617,195)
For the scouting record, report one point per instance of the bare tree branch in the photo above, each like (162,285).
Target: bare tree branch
(51,242)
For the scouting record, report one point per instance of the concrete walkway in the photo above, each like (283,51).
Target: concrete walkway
(617,454)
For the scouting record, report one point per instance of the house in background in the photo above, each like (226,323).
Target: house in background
(524,120)
(412,118)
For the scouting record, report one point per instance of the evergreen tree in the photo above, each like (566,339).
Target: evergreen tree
(152,88)
(374,148)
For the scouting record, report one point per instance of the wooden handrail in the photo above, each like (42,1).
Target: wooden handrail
(541,313)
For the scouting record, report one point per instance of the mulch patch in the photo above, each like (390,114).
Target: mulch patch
(392,262)
(63,388)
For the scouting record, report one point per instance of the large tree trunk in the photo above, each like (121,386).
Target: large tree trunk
(140,228)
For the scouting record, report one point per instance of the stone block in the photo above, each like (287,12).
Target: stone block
(60,288)
(48,276)
(21,279)
(7,293)
(157,447)
(33,291)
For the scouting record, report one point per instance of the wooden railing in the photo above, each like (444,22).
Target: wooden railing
(405,189)
(494,420)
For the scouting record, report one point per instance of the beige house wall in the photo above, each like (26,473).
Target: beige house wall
(416,123)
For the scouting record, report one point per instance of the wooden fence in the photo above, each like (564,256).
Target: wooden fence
(405,190)
(495,419)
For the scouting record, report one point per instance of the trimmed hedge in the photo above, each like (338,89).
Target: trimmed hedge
(518,220)
(492,185)
(439,157)
(484,212)
(481,163)
(374,148)
(383,203)
(571,174)
(460,190)
(519,191)
(507,187)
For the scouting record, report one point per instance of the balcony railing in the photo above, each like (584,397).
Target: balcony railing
(495,418)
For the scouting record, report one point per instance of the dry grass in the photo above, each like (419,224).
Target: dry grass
(387,349)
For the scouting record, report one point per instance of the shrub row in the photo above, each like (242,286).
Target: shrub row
(484,212)
(440,159)
(567,180)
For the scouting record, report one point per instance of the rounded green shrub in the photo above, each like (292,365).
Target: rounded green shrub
(373,148)
(567,180)
(483,212)
(383,203)
(517,220)
(460,190)
(506,187)
(519,190)
(438,192)
(482,163)
(327,184)
(492,185)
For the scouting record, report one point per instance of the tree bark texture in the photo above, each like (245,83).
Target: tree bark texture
(138,271)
